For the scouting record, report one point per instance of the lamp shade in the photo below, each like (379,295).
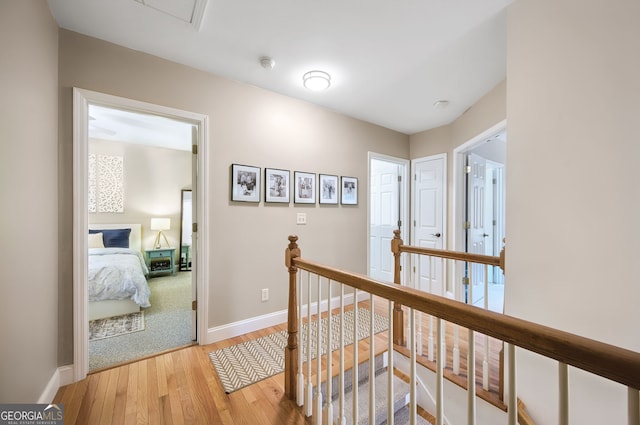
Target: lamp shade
(160,223)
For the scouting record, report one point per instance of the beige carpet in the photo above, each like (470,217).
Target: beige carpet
(244,364)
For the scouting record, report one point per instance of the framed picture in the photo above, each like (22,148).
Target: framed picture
(245,183)
(276,185)
(328,189)
(349,190)
(304,188)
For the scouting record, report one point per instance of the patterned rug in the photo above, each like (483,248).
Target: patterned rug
(252,361)
(115,326)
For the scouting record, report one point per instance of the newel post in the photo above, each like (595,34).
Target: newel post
(398,314)
(291,351)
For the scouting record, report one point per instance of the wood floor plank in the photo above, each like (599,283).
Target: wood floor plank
(120,404)
(182,387)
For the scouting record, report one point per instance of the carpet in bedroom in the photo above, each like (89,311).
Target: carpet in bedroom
(116,326)
(167,325)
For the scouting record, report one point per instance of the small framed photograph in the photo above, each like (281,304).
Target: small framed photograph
(349,190)
(245,183)
(276,185)
(328,189)
(304,188)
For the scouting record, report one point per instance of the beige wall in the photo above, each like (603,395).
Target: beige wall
(29,199)
(248,126)
(153,180)
(572,187)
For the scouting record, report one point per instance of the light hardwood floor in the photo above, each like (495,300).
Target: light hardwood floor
(181,387)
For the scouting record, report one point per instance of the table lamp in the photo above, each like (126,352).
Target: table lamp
(160,224)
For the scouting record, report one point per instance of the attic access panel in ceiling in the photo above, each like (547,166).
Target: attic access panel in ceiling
(189,11)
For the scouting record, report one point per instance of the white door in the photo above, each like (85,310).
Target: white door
(429,202)
(384,192)
(477,231)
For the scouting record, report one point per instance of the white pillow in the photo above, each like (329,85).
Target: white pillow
(95,240)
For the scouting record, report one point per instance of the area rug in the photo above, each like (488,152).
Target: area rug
(115,326)
(249,362)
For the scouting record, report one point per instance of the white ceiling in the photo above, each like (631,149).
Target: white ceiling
(389,60)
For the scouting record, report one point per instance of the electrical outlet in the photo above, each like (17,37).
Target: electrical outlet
(265,294)
(301,218)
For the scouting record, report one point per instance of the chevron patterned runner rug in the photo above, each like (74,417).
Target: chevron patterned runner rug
(252,361)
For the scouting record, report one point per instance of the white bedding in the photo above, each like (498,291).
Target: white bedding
(118,273)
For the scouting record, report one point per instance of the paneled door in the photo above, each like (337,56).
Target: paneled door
(477,229)
(384,191)
(429,203)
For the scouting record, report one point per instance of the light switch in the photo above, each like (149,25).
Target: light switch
(301,218)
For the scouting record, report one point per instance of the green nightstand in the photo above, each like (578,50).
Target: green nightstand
(161,261)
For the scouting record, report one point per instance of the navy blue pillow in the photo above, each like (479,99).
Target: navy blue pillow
(114,238)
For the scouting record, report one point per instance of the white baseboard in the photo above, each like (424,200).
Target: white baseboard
(66,375)
(61,376)
(242,327)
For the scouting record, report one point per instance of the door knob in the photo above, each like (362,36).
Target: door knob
(485,235)
(437,235)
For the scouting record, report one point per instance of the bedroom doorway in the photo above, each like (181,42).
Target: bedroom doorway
(480,214)
(133,163)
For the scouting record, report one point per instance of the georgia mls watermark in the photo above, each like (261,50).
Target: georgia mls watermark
(31,414)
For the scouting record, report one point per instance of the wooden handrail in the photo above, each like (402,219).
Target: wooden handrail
(399,247)
(611,362)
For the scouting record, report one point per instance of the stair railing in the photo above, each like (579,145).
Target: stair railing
(475,264)
(614,363)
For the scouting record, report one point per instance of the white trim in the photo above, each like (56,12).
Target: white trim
(458,191)
(50,390)
(66,375)
(252,324)
(458,187)
(81,100)
(404,205)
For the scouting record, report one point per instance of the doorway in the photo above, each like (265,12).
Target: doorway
(388,190)
(480,215)
(87,103)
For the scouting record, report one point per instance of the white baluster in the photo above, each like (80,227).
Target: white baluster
(309,399)
(318,414)
(633,406)
(390,394)
(413,404)
(430,341)
(372,366)
(512,405)
(329,406)
(485,359)
(456,336)
(342,420)
(356,379)
(471,380)
(440,360)
(563,394)
(300,387)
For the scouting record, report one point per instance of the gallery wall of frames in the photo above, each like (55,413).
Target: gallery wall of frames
(249,183)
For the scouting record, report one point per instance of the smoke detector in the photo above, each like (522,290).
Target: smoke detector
(266,62)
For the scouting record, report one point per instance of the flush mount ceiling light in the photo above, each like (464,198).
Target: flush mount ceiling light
(316,80)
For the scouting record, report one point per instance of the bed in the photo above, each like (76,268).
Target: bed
(117,282)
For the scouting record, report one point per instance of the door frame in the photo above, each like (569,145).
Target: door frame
(404,203)
(81,100)
(459,153)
